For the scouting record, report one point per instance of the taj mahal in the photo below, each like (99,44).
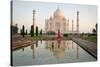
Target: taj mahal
(59,22)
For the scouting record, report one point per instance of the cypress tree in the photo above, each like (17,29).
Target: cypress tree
(23,32)
(36,30)
(32,31)
(41,32)
(26,32)
(20,31)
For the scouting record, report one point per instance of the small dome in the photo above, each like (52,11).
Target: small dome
(58,13)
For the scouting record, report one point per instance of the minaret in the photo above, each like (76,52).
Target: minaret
(46,25)
(72,26)
(33,19)
(68,25)
(77,25)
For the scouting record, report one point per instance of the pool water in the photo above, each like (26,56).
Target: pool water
(50,52)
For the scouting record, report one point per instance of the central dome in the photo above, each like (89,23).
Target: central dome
(58,13)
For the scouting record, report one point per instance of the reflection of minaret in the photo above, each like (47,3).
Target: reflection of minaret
(33,19)
(22,49)
(41,41)
(72,26)
(36,43)
(33,49)
(67,44)
(77,48)
(72,45)
(77,25)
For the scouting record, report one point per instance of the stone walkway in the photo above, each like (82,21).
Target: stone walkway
(90,47)
(19,42)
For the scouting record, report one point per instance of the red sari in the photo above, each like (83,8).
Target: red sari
(59,38)
(58,34)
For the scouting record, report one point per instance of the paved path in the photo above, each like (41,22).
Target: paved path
(19,42)
(90,47)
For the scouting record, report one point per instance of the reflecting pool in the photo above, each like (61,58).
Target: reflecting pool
(50,52)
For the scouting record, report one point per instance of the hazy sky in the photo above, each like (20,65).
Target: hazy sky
(22,14)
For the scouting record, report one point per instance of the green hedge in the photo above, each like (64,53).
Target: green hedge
(51,33)
(65,35)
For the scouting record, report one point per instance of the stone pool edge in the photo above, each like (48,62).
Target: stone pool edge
(81,44)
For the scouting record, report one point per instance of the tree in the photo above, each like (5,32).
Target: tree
(16,26)
(26,32)
(23,32)
(14,29)
(96,27)
(82,34)
(20,31)
(36,30)
(41,32)
(32,31)
(94,31)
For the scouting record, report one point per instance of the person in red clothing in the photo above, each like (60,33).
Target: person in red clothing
(59,38)
(58,34)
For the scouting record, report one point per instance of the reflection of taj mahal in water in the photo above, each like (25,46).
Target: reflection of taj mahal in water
(59,22)
(59,48)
